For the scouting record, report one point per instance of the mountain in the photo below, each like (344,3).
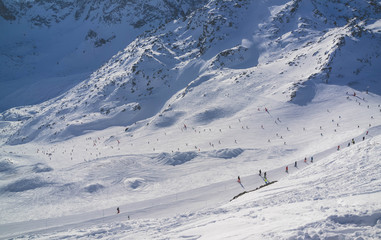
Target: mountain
(138,82)
(163,122)
(51,46)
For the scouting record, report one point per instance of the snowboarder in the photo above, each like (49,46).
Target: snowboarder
(239,180)
(286,169)
(260,172)
(117,210)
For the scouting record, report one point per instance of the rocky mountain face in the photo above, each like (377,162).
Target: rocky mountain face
(69,39)
(137,13)
(307,40)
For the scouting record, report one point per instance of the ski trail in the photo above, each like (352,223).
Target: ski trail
(191,200)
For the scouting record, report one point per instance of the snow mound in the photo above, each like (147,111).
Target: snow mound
(349,226)
(134,183)
(350,219)
(93,188)
(176,158)
(6,166)
(40,167)
(226,153)
(169,119)
(211,115)
(26,184)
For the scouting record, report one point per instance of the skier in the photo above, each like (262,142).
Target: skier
(260,172)
(286,169)
(353,141)
(312,159)
(117,210)
(264,175)
(296,164)
(338,148)
(239,180)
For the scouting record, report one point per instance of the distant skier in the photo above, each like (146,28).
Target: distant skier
(239,180)
(338,148)
(305,160)
(117,210)
(296,164)
(312,159)
(260,172)
(264,175)
(266,181)
(353,141)
(286,169)
(349,144)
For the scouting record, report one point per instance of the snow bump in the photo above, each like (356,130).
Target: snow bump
(26,184)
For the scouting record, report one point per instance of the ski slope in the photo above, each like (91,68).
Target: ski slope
(188,193)
(164,128)
(314,200)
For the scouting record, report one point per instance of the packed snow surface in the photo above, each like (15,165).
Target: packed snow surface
(165,128)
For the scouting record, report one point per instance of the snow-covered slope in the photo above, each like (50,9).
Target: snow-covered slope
(336,197)
(51,46)
(165,126)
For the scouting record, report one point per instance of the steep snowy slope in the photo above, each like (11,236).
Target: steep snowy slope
(213,44)
(50,46)
(163,129)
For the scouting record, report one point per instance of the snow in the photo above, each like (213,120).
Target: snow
(170,159)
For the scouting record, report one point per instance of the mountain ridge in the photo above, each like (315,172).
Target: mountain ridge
(175,58)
